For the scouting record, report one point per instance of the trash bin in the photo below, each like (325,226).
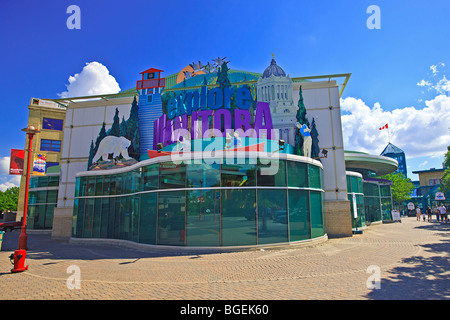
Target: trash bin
(1,239)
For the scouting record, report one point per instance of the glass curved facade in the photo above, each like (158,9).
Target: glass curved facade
(202,205)
(355,186)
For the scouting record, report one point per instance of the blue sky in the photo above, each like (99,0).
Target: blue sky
(39,53)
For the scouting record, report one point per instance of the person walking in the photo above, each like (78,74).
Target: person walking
(436,212)
(418,214)
(429,213)
(443,213)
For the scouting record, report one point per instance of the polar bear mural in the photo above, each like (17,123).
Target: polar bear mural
(115,145)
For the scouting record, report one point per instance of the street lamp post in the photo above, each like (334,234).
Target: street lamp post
(23,243)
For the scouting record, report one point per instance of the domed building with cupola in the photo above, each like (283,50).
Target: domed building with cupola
(275,87)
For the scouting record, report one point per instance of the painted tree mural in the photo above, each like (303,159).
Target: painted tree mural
(126,128)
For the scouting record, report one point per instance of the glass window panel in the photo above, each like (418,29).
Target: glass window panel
(52,196)
(83,186)
(385,190)
(106,185)
(96,218)
(272,174)
(172,175)
(99,185)
(48,224)
(372,209)
(111,218)
(80,218)
(297,174)
(52,124)
(238,217)
(238,175)
(317,218)
(299,216)
(371,189)
(89,212)
(147,226)
(91,186)
(272,216)
(203,218)
(117,218)
(31,216)
(40,217)
(203,175)
(119,184)
(150,175)
(134,216)
(171,218)
(104,218)
(135,180)
(75,217)
(314,176)
(125,218)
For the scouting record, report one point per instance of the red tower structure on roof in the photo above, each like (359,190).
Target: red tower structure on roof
(151,78)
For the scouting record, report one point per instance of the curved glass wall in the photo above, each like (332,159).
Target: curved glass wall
(202,204)
(377,200)
(355,186)
(43,198)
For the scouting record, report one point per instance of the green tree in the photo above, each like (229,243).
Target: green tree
(115,128)
(9,199)
(445,181)
(301,118)
(401,187)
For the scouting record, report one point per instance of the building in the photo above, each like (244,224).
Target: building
(396,153)
(48,117)
(429,183)
(220,169)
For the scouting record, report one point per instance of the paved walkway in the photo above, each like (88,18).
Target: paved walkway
(411,258)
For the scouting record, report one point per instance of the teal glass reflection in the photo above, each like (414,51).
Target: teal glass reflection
(314,176)
(171,218)
(203,218)
(238,217)
(172,175)
(272,174)
(272,216)
(299,219)
(203,175)
(148,212)
(317,217)
(297,174)
(238,175)
(150,177)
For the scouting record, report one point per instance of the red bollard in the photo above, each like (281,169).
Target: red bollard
(19,261)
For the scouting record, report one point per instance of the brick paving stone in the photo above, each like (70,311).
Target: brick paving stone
(413,259)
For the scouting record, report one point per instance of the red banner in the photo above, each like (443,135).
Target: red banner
(16,162)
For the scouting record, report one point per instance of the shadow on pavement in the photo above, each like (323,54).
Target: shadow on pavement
(41,246)
(424,278)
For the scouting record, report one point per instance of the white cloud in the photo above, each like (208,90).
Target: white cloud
(6,180)
(424,83)
(94,79)
(418,132)
(423,164)
(442,86)
(434,67)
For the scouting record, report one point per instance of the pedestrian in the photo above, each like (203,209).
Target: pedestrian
(436,212)
(429,213)
(418,214)
(443,213)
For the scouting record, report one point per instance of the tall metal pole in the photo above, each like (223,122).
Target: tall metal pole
(23,238)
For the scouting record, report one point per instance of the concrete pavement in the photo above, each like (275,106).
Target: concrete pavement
(408,260)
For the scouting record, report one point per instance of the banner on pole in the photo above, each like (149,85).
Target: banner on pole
(39,164)
(16,162)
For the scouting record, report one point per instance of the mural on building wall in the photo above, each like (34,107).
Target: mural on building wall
(306,135)
(119,146)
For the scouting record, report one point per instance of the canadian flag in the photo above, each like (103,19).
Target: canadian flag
(384,127)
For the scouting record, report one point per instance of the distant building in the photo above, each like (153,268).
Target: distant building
(396,153)
(430,181)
